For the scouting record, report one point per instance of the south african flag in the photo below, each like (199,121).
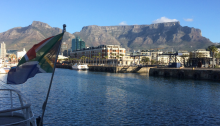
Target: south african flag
(39,59)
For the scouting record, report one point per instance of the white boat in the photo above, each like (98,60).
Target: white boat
(80,66)
(15,109)
(4,70)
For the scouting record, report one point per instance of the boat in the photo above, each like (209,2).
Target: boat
(4,70)
(80,66)
(15,109)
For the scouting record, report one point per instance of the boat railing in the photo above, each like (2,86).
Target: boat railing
(15,109)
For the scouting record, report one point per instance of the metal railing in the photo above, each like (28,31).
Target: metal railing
(11,108)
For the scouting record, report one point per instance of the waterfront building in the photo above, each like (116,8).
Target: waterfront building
(3,50)
(200,53)
(77,44)
(20,54)
(112,53)
(64,46)
(128,60)
(137,57)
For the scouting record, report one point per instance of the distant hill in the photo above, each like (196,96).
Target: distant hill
(162,35)
(26,37)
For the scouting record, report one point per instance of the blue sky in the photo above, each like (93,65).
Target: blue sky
(202,14)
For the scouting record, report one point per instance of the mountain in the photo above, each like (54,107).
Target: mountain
(162,35)
(26,37)
(168,36)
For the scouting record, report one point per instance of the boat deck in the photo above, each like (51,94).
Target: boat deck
(8,118)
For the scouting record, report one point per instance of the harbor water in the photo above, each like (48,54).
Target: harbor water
(99,98)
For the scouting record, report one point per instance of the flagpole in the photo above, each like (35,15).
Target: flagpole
(48,92)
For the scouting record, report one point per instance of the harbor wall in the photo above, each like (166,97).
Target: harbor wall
(187,73)
(120,69)
(184,73)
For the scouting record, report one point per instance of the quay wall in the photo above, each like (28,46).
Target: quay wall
(64,66)
(187,73)
(184,73)
(120,69)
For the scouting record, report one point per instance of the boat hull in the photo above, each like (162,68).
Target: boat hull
(80,67)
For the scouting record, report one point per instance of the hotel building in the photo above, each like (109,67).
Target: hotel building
(110,52)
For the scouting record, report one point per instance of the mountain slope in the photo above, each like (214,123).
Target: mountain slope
(26,37)
(167,35)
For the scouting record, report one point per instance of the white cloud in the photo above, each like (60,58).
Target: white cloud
(188,19)
(164,19)
(123,23)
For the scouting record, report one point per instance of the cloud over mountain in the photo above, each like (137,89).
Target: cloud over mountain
(163,20)
(123,23)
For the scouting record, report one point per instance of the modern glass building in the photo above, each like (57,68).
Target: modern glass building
(77,44)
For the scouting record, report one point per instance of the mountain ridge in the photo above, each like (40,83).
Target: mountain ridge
(145,36)
(161,35)
(26,37)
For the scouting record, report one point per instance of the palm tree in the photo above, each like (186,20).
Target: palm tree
(217,55)
(85,59)
(89,60)
(93,59)
(81,59)
(96,59)
(212,49)
(106,57)
(99,57)
(117,57)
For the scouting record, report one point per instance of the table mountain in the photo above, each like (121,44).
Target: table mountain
(161,35)
(26,37)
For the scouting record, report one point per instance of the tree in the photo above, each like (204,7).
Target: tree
(86,58)
(81,59)
(212,49)
(117,57)
(96,60)
(93,59)
(152,61)
(217,55)
(145,60)
(99,57)
(106,57)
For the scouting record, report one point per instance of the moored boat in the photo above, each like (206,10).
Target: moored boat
(80,66)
